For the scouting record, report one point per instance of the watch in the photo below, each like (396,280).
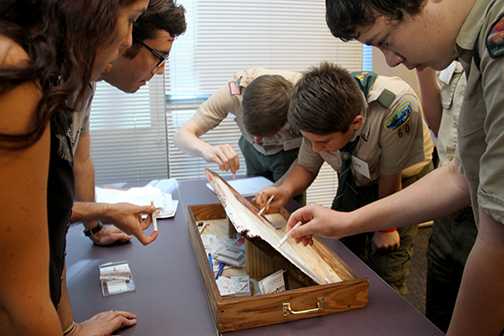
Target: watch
(97,228)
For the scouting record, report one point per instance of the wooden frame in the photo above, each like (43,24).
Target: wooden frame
(309,300)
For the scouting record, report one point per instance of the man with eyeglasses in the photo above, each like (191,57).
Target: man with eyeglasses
(153,36)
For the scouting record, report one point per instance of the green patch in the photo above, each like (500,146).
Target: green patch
(495,39)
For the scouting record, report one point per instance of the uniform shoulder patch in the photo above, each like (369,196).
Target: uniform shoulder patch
(495,38)
(399,117)
(234,88)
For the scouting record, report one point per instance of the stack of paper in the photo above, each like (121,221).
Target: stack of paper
(140,196)
(234,286)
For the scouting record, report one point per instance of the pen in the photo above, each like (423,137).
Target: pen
(267,203)
(284,239)
(210,259)
(154,219)
(221,267)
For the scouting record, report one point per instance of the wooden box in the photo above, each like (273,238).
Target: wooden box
(342,289)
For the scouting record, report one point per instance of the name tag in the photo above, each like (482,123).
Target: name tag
(292,144)
(360,166)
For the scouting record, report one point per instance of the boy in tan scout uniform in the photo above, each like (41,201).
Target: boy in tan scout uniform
(259,98)
(420,34)
(381,118)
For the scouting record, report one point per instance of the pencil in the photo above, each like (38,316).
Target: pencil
(267,203)
(284,239)
(154,219)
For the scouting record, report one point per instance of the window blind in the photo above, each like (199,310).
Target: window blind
(226,36)
(131,134)
(128,133)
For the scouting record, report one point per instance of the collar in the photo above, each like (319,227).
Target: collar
(472,25)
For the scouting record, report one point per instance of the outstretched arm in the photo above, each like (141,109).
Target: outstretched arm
(295,181)
(187,138)
(126,216)
(388,240)
(101,324)
(85,192)
(436,195)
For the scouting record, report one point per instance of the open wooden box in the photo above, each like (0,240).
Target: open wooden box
(341,289)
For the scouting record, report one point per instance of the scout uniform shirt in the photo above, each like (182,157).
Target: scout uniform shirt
(228,99)
(452,83)
(393,138)
(80,118)
(480,47)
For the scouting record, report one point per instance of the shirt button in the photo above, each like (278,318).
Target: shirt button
(455,124)
(450,157)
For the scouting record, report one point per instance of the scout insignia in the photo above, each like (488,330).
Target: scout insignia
(234,88)
(495,39)
(399,117)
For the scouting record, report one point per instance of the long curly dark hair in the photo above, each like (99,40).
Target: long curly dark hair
(61,38)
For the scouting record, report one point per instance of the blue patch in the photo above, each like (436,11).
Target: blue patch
(495,39)
(399,117)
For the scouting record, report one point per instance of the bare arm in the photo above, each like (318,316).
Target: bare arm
(436,195)
(24,241)
(431,98)
(187,138)
(387,240)
(126,216)
(85,192)
(479,309)
(101,324)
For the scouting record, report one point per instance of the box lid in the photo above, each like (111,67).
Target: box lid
(257,229)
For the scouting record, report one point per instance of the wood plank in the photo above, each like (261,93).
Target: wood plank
(267,309)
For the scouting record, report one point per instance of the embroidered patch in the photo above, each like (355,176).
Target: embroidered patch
(399,117)
(234,88)
(495,39)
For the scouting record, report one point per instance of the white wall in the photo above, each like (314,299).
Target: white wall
(381,68)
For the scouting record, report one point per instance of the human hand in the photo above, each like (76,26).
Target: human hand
(128,218)
(109,235)
(385,241)
(317,220)
(281,198)
(224,155)
(104,324)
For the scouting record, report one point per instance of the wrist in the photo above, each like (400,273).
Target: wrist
(388,230)
(90,232)
(69,329)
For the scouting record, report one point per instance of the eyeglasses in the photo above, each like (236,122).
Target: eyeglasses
(162,59)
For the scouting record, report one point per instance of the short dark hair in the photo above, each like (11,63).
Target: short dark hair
(343,17)
(265,105)
(164,15)
(326,100)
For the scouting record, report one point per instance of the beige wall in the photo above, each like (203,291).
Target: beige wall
(381,68)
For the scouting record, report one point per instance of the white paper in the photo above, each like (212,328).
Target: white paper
(140,196)
(273,283)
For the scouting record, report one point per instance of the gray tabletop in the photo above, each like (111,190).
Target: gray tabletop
(170,298)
